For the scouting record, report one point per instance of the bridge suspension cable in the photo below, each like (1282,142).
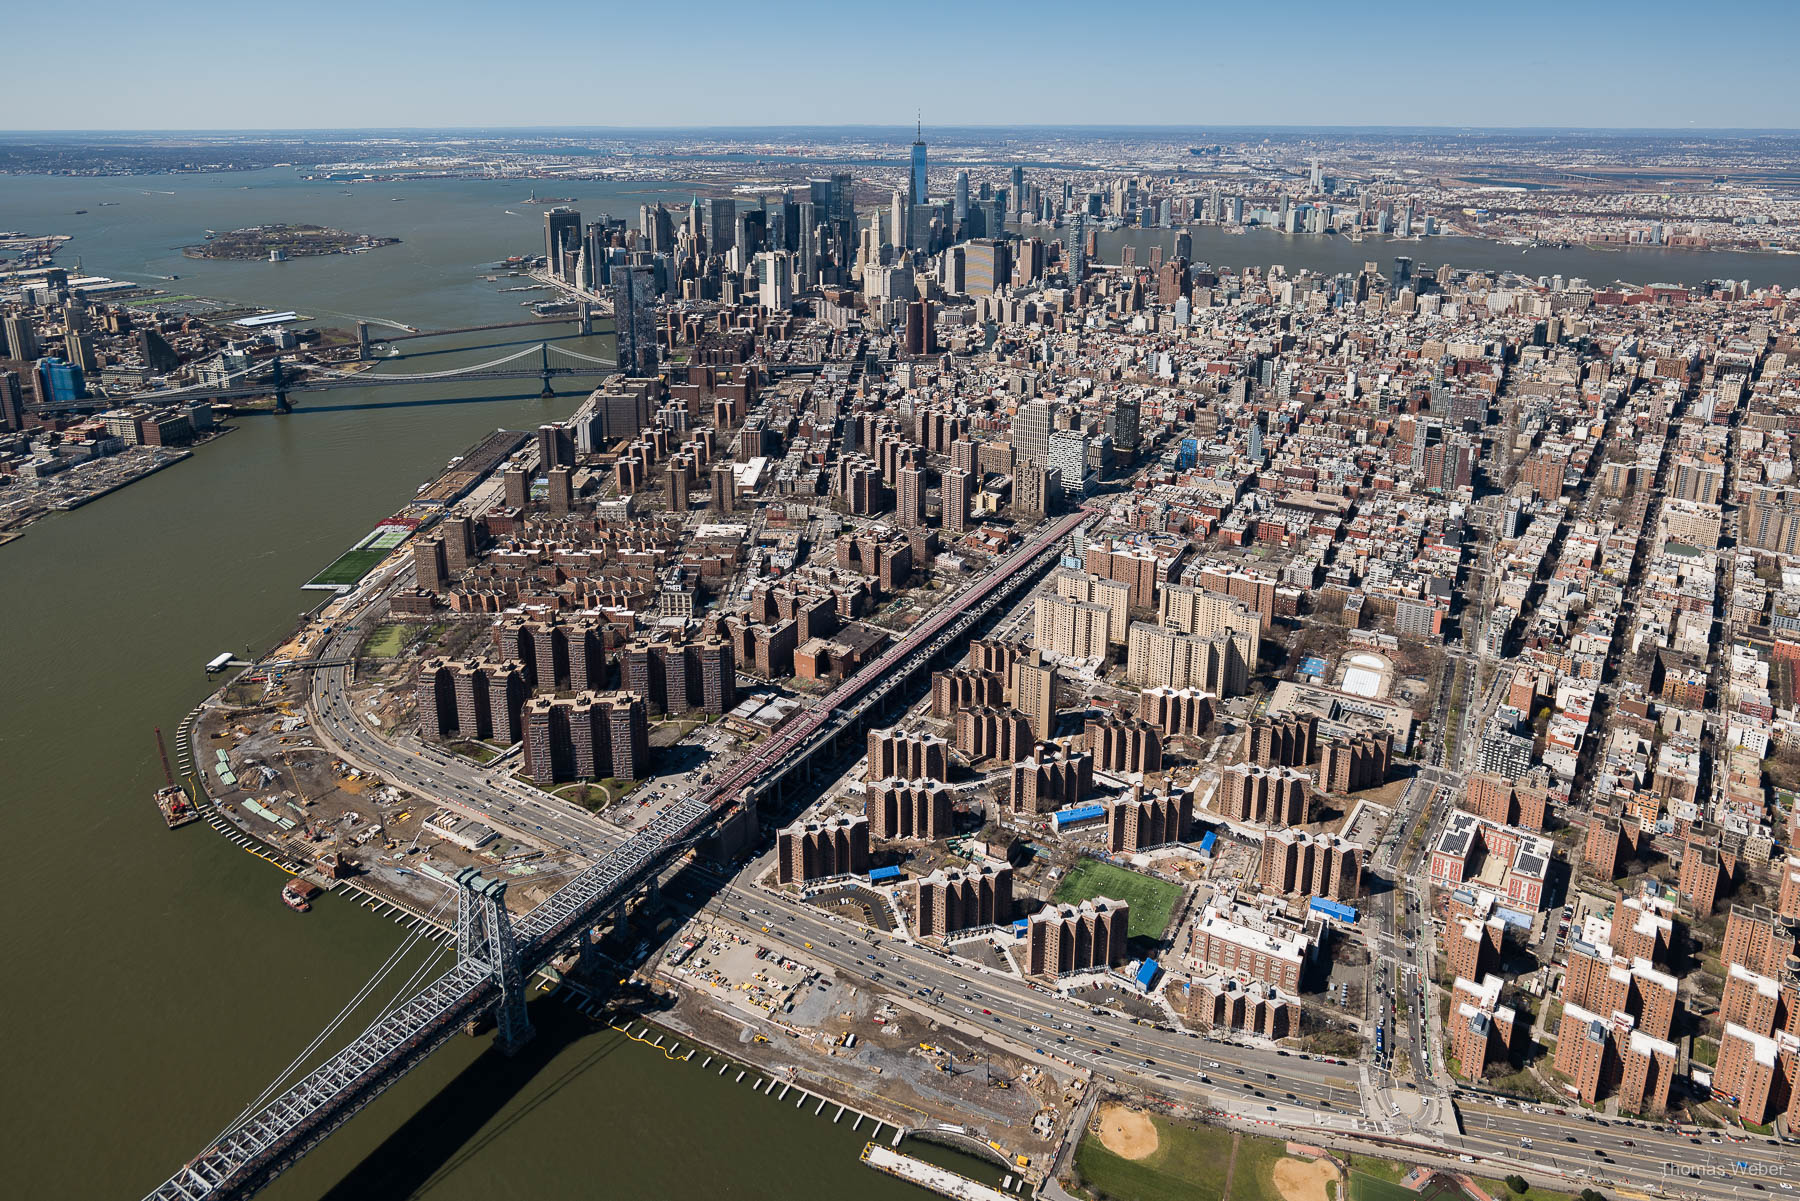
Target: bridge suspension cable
(414,377)
(381,973)
(586,358)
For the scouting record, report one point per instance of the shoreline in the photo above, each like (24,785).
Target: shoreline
(141,472)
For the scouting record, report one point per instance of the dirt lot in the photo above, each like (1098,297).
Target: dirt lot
(295,796)
(861,1045)
(1304,1179)
(1130,1134)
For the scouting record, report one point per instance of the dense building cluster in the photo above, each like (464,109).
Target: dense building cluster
(1519,552)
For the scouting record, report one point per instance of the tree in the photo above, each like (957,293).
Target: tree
(1517,1184)
(1588,1194)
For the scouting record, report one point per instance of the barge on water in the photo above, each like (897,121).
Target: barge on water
(929,1176)
(298,894)
(177,809)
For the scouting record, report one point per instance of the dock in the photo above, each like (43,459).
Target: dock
(925,1175)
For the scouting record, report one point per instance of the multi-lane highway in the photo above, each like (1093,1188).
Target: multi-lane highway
(1250,1081)
(992,1002)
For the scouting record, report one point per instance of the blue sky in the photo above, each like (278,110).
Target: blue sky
(202,64)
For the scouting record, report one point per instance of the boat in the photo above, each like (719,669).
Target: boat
(177,809)
(298,894)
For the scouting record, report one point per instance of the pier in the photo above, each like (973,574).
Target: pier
(939,1180)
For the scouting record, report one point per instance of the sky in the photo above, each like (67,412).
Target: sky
(203,64)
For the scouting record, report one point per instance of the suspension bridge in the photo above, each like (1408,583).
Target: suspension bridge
(273,377)
(495,956)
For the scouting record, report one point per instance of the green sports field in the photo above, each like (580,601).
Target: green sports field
(347,569)
(1364,1187)
(1151,900)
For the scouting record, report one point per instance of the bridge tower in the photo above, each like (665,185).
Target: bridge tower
(548,393)
(585,314)
(484,936)
(281,400)
(362,341)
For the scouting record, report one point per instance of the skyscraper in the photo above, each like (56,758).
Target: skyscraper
(562,230)
(910,498)
(956,488)
(960,211)
(720,216)
(1031,432)
(12,402)
(634,306)
(655,227)
(773,288)
(1068,455)
(1017,195)
(986,265)
(807,241)
(1075,248)
(21,338)
(918,192)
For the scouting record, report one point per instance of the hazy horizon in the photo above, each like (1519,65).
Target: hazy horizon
(207,65)
(907,128)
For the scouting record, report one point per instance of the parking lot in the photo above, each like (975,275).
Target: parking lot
(857,902)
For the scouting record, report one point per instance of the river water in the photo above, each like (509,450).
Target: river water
(155,981)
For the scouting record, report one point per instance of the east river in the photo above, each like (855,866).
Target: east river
(155,983)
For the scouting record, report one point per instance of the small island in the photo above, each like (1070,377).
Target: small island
(277,242)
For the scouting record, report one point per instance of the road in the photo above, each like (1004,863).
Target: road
(1247,1081)
(488,794)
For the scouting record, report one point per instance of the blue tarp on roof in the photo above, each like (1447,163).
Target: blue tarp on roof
(1080,813)
(878,874)
(1333,909)
(1147,974)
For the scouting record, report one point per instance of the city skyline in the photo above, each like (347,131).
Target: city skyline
(1544,68)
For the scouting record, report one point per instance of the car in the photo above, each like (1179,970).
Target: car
(1569,1138)
(990,1013)
(1112,1042)
(1270,1108)
(1629,1143)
